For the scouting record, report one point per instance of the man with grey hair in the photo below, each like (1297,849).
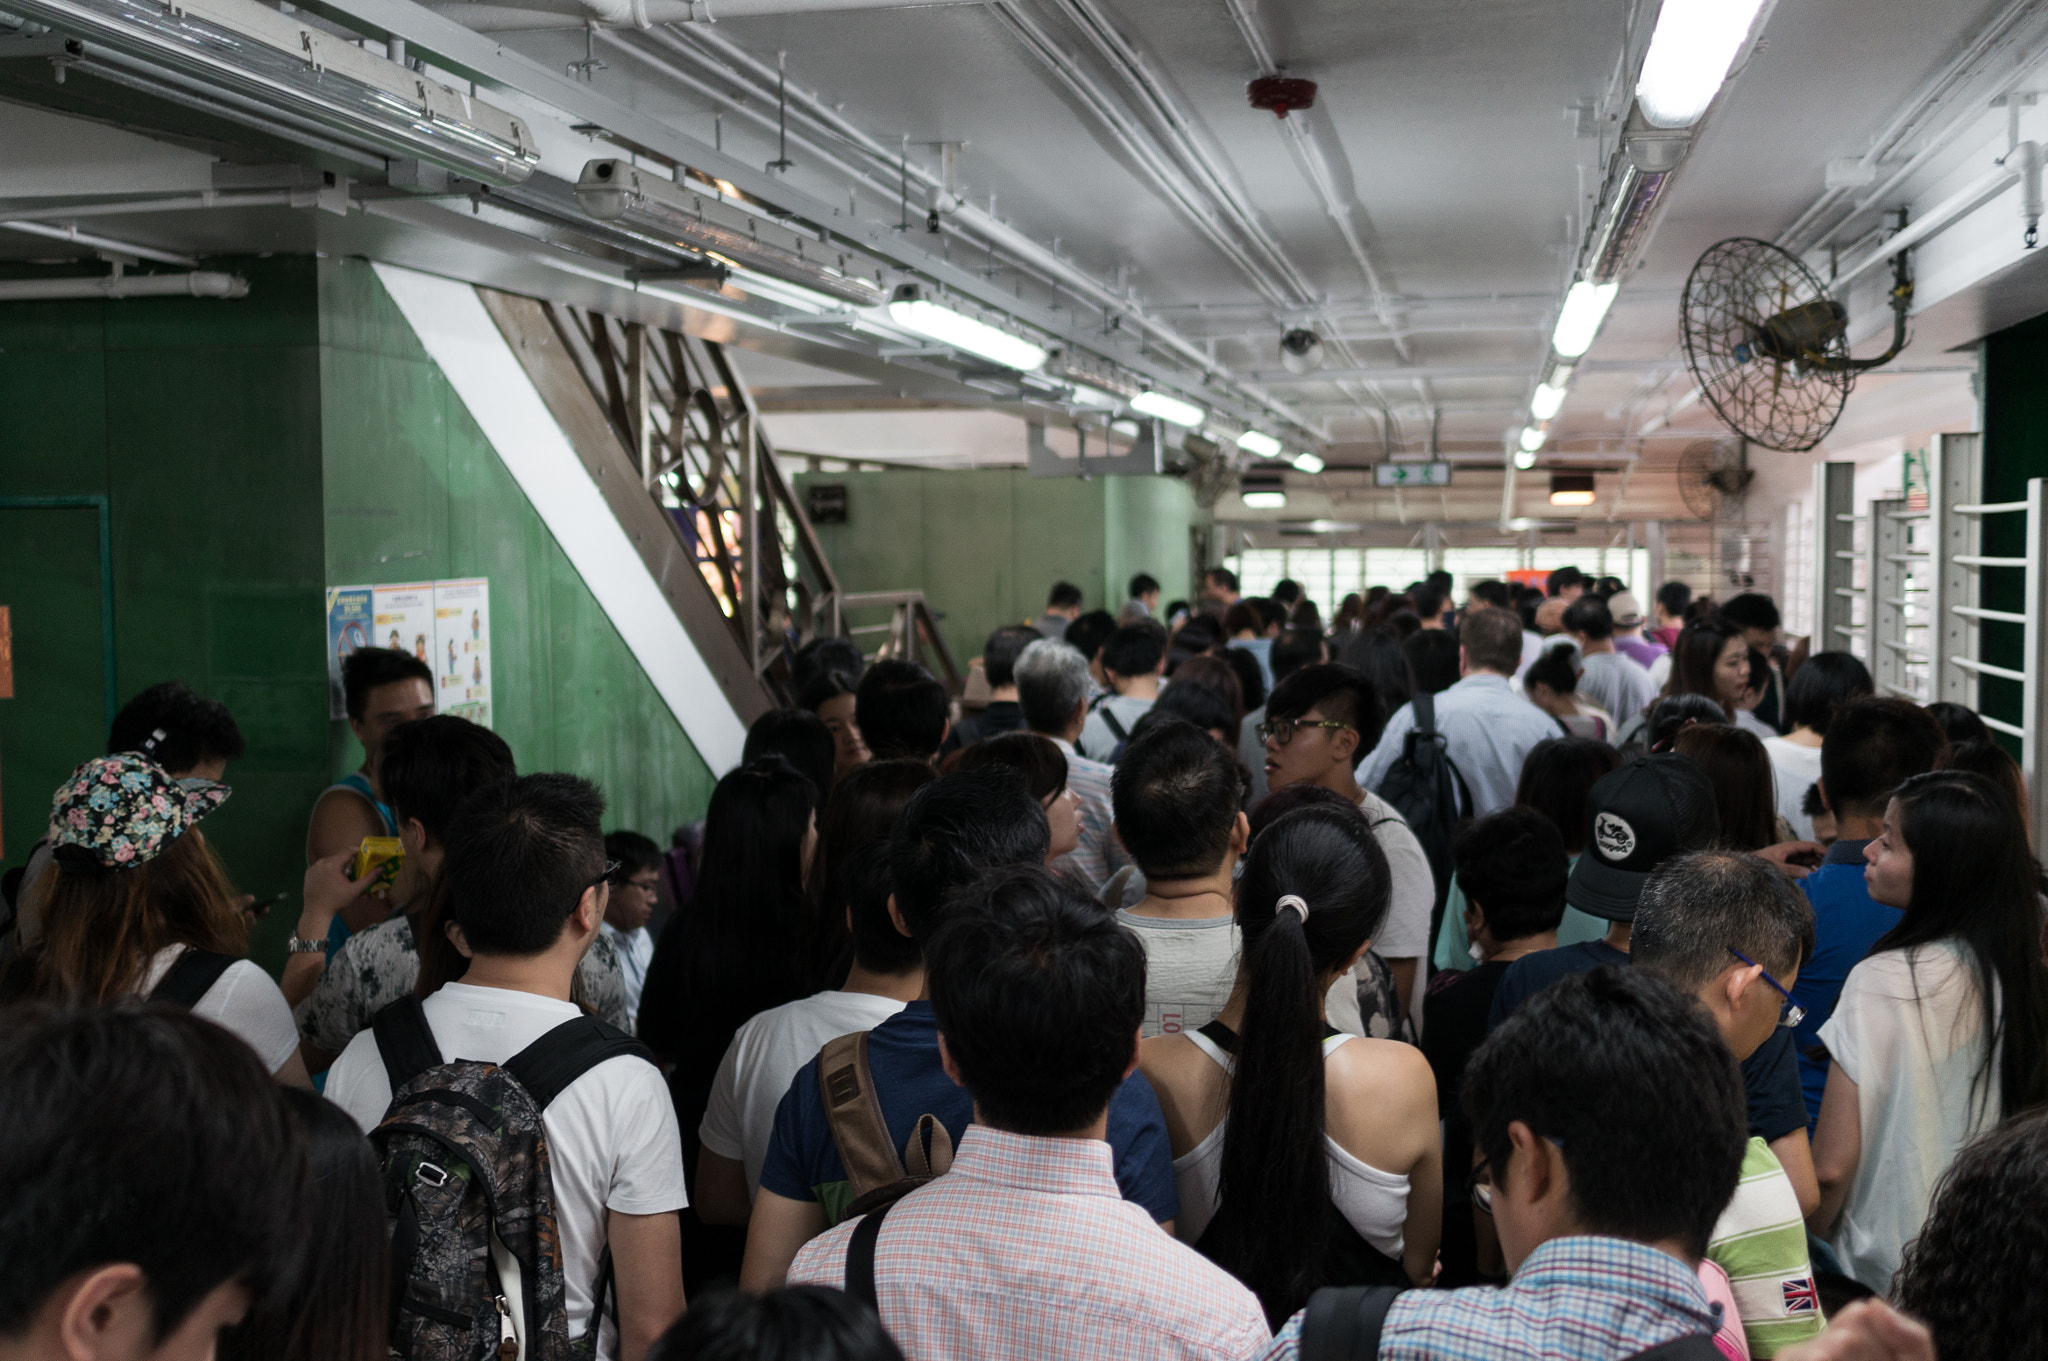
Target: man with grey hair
(1053,689)
(1731,930)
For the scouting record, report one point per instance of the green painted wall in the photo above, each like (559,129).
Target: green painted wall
(198,420)
(2015,450)
(985,546)
(414,492)
(250,453)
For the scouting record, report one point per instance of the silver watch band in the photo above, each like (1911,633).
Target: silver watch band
(299,945)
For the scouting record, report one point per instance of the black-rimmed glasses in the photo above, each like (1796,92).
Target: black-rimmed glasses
(1282,730)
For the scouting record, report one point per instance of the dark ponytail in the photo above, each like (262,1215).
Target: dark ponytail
(1274,1216)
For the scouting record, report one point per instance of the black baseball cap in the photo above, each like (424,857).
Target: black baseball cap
(1638,817)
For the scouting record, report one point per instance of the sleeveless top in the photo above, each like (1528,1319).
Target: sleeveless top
(355,783)
(1371,1203)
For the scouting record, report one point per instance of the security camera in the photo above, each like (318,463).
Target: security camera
(1301,350)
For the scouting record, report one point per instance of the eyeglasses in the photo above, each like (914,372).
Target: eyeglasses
(1479,1187)
(1790,1013)
(610,875)
(1282,730)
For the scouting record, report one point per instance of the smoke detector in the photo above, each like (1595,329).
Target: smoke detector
(1281,93)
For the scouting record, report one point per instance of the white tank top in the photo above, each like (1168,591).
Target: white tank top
(1373,1202)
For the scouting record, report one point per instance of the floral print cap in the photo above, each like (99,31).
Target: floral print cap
(126,809)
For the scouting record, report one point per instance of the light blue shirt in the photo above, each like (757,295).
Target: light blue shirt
(1489,730)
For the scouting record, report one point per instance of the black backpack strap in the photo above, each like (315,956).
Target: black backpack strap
(548,1065)
(1123,734)
(405,1041)
(1696,1347)
(1425,713)
(1343,1323)
(189,976)
(860,1257)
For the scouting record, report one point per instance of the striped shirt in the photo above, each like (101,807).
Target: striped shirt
(1575,1299)
(1026,1251)
(1100,854)
(1760,1241)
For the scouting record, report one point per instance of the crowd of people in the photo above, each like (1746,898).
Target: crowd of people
(1519,974)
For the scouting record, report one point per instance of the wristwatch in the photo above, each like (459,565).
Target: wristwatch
(299,945)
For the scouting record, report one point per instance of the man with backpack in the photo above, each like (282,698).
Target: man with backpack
(1317,722)
(1025,1249)
(555,1216)
(1488,729)
(876,1112)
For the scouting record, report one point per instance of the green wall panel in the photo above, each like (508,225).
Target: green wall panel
(414,492)
(2015,450)
(986,545)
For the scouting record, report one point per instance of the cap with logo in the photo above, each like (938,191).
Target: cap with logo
(1626,609)
(1639,816)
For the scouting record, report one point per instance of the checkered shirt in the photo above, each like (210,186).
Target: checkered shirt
(1575,1299)
(1100,854)
(1027,1250)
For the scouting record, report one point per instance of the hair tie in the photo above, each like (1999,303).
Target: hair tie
(1298,903)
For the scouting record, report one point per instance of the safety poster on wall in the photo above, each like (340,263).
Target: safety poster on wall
(446,624)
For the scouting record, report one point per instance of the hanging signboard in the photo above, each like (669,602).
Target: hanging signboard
(445,624)
(1411,475)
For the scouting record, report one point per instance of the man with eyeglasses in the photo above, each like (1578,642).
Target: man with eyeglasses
(1732,931)
(1318,723)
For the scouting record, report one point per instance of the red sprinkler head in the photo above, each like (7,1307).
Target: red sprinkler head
(1281,93)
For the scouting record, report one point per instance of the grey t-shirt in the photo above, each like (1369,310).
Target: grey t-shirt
(1191,966)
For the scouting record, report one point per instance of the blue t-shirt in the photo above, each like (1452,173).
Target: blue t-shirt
(1846,923)
(1531,974)
(903,1054)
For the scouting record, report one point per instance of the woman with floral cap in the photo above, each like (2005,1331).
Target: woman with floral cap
(139,907)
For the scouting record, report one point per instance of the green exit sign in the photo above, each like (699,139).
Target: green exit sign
(1412,475)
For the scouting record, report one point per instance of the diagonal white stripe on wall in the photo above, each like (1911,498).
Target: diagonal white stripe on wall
(460,336)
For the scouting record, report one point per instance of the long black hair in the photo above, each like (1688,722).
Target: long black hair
(1975,884)
(1377,654)
(729,954)
(1274,1215)
(1694,656)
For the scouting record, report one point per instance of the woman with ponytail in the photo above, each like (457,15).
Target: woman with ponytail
(1304,1157)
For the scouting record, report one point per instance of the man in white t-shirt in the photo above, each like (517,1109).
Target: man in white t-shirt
(528,885)
(1319,724)
(888,971)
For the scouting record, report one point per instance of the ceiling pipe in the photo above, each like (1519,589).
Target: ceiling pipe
(197,284)
(538,14)
(91,242)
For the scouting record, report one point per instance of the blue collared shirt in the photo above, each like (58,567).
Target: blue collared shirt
(1488,729)
(1847,921)
(1575,1299)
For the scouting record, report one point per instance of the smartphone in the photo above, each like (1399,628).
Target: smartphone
(258,909)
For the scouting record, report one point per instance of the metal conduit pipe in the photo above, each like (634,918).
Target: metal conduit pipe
(536,14)
(756,78)
(198,284)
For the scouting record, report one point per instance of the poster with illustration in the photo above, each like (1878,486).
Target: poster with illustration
(462,648)
(350,615)
(446,624)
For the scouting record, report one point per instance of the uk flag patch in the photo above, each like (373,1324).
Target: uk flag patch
(1800,1296)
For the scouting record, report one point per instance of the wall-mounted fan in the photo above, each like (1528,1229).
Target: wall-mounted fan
(1768,346)
(1713,477)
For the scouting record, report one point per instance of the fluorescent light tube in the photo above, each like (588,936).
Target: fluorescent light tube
(1533,437)
(1169,408)
(1585,307)
(1571,498)
(251,54)
(1308,463)
(1266,500)
(618,191)
(1546,402)
(1085,395)
(1260,443)
(1525,459)
(963,332)
(1691,49)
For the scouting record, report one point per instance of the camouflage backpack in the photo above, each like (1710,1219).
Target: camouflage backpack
(476,1252)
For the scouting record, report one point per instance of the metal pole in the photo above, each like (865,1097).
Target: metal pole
(1653,540)
(2034,689)
(1834,618)
(1885,585)
(750,539)
(1954,478)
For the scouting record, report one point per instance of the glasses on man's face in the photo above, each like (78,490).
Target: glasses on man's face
(1789,1012)
(1479,1187)
(1282,730)
(610,875)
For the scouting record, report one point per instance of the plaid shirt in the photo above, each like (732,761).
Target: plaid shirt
(1027,1250)
(1100,854)
(1575,1299)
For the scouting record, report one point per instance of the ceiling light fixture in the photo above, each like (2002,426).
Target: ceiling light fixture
(1585,307)
(1085,395)
(917,313)
(1308,463)
(1533,437)
(618,191)
(1691,49)
(1572,489)
(1525,459)
(1265,500)
(1260,443)
(1547,401)
(1169,408)
(251,54)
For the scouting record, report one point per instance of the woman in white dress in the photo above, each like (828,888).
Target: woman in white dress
(1303,1156)
(1943,1030)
